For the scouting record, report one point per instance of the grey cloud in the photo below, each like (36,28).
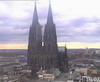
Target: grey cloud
(15,30)
(67,31)
(79,39)
(78,22)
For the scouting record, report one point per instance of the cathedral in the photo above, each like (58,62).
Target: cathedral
(43,50)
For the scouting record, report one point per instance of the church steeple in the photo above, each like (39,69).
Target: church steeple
(50,38)
(50,16)
(35,34)
(35,16)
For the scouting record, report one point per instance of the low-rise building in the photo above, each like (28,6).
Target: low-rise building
(48,74)
(7,60)
(81,70)
(10,69)
(97,51)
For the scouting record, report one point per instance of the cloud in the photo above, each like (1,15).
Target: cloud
(74,21)
(80,30)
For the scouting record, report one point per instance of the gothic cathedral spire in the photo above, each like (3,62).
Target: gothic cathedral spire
(50,38)
(35,34)
(50,16)
(35,15)
(35,42)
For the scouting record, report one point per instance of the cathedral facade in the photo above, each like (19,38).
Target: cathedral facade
(47,55)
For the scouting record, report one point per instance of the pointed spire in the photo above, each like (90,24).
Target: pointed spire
(35,16)
(50,17)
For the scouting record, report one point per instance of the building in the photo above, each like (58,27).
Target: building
(7,60)
(48,74)
(9,69)
(45,55)
(82,70)
(97,51)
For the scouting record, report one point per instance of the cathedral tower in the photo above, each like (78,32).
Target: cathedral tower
(35,40)
(50,39)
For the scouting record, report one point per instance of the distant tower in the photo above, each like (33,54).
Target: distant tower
(35,40)
(86,51)
(50,39)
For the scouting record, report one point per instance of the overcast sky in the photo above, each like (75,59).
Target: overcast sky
(76,20)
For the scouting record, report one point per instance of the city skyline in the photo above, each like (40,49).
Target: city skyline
(76,24)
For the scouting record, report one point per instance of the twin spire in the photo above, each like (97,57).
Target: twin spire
(35,16)
(49,18)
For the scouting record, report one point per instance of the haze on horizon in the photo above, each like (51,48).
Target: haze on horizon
(77,22)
